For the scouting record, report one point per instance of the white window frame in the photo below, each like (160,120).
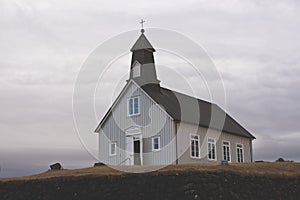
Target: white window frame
(192,137)
(133,114)
(110,148)
(159,147)
(215,144)
(236,149)
(229,149)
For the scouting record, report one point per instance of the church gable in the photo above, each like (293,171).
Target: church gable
(122,123)
(133,107)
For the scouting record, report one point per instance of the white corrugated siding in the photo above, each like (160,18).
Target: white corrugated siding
(184,131)
(152,120)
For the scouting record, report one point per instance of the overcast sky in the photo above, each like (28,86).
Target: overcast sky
(254,45)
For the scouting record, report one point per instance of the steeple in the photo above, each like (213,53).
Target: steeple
(142,69)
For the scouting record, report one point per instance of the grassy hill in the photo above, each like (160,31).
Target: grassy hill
(236,181)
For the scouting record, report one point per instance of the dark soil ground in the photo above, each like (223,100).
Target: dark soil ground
(248,181)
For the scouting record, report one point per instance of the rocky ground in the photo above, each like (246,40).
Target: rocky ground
(236,181)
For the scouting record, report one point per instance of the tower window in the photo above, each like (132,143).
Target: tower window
(136,69)
(133,106)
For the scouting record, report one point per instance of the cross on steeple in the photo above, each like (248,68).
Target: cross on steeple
(142,24)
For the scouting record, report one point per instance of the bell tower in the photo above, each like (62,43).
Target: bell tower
(142,69)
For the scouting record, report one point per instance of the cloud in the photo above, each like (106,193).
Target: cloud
(43,44)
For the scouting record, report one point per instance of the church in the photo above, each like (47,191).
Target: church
(151,125)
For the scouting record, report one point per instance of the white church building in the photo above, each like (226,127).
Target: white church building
(151,125)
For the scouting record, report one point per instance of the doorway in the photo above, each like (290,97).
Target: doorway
(134,153)
(137,150)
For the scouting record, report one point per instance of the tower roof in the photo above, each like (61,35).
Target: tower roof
(142,43)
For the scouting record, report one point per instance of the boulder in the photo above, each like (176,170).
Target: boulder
(224,162)
(280,160)
(99,164)
(56,166)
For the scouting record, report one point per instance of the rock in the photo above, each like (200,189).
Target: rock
(56,166)
(280,160)
(224,162)
(99,164)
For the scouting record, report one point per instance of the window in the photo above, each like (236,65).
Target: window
(136,70)
(239,153)
(226,151)
(211,143)
(133,106)
(195,146)
(155,143)
(113,149)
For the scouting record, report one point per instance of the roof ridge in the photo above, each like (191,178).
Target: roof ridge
(164,99)
(188,96)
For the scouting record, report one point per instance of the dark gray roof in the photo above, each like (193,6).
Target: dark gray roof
(183,108)
(142,43)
